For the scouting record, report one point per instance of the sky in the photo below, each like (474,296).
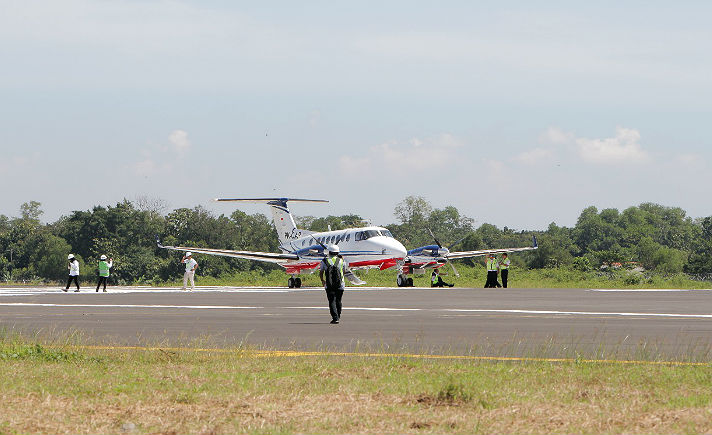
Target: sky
(518,114)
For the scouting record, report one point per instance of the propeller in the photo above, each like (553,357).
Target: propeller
(457,274)
(435,238)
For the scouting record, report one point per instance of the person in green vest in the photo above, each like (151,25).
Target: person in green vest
(104,267)
(492,267)
(437,281)
(504,269)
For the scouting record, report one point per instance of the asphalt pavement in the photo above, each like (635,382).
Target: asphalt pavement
(501,322)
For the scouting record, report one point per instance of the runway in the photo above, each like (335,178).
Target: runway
(501,322)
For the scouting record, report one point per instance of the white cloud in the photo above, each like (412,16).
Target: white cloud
(555,136)
(623,148)
(162,158)
(179,140)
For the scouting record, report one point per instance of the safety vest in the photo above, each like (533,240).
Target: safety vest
(340,266)
(103,268)
(434,278)
(491,264)
(504,264)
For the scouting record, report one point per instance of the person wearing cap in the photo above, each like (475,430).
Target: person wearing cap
(333,294)
(504,269)
(190,266)
(492,265)
(104,267)
(73,267)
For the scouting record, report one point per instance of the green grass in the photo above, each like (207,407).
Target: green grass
(60,387)
(474,276)
(470,276)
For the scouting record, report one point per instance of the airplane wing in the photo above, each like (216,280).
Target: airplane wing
(270,257)
(467,254)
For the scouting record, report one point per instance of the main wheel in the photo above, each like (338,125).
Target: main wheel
(409,282)
(297,282)
(399,280)
(290,283)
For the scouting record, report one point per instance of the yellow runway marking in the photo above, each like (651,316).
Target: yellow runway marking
(292,354)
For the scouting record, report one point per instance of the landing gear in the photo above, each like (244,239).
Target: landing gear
(294,282)
(404,281)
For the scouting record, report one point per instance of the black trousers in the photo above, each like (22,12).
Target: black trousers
(74,278)
(102,280)
(504,273)
(439,283)
(491,279)
(334,297)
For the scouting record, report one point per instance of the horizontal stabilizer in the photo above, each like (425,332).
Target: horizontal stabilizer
(268,200)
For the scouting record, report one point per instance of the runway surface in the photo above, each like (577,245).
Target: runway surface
(514,322)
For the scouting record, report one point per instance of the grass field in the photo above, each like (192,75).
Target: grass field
(474,276)
(470,276)
(60,387)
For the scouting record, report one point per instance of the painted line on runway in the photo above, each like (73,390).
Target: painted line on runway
(646,290)
(292,354)
(539,312)
(444,310)
(193,307)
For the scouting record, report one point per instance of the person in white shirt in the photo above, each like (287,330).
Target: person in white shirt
(190,266)
(73,267)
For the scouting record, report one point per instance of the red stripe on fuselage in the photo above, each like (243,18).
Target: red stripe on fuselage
(295,268)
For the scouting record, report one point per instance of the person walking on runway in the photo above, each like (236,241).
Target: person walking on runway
(104,267)
(333,267)
(73,267)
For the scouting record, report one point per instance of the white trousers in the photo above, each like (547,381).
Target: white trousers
(189,276)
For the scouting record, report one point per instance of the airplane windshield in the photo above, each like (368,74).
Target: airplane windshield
(364,235)
(386,233)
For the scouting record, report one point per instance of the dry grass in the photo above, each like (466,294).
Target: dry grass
(97,391)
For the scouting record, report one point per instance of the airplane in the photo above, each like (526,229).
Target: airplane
(369,247)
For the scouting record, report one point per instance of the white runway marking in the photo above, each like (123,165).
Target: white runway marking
(539,312)
(193,307)
(384,309)
(645,290)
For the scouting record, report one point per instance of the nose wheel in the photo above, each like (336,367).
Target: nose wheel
(404,281)
(294,282)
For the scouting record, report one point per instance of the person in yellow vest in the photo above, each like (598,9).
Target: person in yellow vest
(334,290)
(104,267)
(504,269)
(492,265)
(437,281)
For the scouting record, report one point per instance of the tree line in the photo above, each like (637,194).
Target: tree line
(659,238)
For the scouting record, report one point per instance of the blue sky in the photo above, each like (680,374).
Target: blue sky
(516,113)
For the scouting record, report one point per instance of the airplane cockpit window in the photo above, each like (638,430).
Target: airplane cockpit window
(372,233)
(348,236)
(386,233)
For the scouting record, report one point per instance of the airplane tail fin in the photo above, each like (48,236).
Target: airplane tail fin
(281,216)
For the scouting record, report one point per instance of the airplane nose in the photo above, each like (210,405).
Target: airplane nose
(396,248)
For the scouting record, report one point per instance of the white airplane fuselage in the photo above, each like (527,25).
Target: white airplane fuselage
(360,247)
